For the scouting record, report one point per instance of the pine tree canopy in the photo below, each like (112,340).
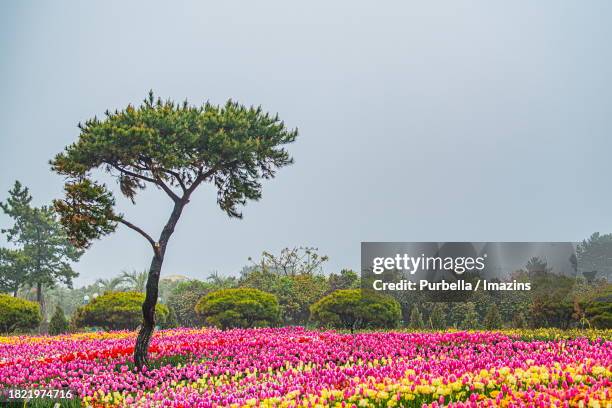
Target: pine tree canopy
(174,147)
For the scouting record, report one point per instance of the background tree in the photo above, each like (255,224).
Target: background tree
(136,281)
(58,323)
(594,256)
(352,309)
(471,319)
(72,299)
(114,284)
(596,307)
(437,318)
(513,305)
(280,286)
(492,319)
(551,300)
(221,282)
(306,289)
(416,319)
(519,321)
(346,279)
(182,301)
(295,293)
(176,148)
(295,276)
(46,253)
(293,261)
(537,265)
(240,307)
(13,270)
(166,287)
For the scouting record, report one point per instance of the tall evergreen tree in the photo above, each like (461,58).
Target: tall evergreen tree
(45,252)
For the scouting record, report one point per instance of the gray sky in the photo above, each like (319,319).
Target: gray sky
(428,121)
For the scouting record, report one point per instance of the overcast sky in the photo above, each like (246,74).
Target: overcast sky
(419,121)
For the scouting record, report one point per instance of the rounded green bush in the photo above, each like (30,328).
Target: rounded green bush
(352,309)
(242,307)
(117,311)
(18,314)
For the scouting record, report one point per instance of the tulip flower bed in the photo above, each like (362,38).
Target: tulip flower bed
(294,367)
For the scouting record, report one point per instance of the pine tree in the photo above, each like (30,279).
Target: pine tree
(45,253)
(13,270)
(416,319)
(175,148)
(59,323)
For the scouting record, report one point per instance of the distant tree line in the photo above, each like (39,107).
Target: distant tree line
(266,296)
(37,267)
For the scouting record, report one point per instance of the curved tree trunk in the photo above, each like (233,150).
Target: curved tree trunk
(143,340)
(148,313)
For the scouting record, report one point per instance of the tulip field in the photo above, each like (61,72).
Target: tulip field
(295,367)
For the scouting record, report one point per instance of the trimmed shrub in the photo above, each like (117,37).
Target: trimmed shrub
(18,314)
(58,323)
(116,311)
(350,309)
(241,307)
